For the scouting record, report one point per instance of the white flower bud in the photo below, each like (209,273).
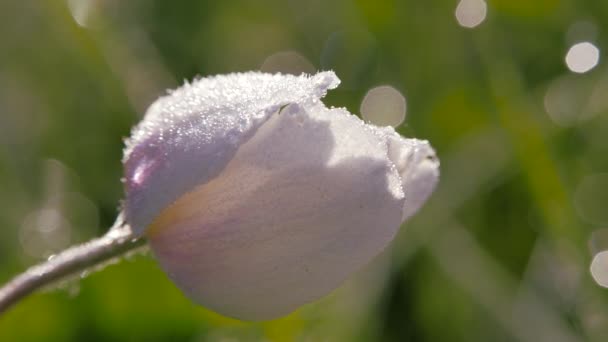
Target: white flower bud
(256,198)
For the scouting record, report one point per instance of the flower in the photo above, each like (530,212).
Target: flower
(257,199)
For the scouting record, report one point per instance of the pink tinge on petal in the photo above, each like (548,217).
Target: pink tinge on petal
(307,201)
(257,199)
(187,137)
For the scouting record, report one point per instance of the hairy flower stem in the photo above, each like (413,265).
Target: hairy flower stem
(117,241)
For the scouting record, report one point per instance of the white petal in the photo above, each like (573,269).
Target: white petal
(188,137)
(418,168)
(313,196)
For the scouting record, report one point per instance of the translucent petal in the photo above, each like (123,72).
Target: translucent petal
(187,137)
(418,168)
(313,196)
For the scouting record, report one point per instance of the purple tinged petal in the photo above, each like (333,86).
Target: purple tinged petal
(253,211)
(187,137)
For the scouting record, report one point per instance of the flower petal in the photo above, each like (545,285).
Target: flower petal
(188,136)
(313,196)
(418,168)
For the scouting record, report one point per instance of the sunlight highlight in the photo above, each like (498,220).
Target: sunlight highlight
(599,268)
(384,106)
(582,57)
(471,13)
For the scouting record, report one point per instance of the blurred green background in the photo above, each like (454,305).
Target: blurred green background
(502,251)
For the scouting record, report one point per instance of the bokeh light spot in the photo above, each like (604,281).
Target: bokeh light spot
(384,106)
(471,13)
(582,57)
(599,268)
(44,232)
(287,62)
(82,10)
(567,100)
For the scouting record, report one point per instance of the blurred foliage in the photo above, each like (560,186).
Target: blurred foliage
(500,253)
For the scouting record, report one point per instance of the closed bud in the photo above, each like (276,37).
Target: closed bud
(256,198)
